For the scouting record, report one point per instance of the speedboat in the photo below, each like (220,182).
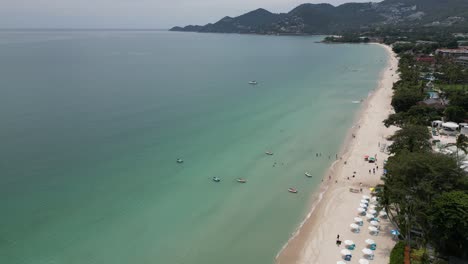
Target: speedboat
(269,153)
(308,174)
(292,190)
(180,161)
(253,82)
(241,180)
(216,179)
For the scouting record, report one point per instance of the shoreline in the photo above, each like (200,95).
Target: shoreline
(302,246)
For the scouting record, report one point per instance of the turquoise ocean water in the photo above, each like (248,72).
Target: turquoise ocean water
(92,124)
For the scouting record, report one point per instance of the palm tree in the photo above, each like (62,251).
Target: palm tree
(461,144)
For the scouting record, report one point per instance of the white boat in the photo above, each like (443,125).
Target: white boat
(269,153)
(308,174)
(216,179)
(253,82)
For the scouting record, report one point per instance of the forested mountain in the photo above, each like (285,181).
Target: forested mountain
(326,18)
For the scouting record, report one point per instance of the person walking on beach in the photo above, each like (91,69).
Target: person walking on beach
(373,170)
(369,171)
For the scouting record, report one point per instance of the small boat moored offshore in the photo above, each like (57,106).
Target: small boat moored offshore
(216,179)
(292,190)
(269,153)
(180,161)
(241,180)
(308,174)
(253,82)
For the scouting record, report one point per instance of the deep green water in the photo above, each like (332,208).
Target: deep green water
(92,123)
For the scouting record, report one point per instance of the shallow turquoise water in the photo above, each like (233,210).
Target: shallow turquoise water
(92,123)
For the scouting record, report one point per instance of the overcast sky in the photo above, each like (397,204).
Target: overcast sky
(132,13)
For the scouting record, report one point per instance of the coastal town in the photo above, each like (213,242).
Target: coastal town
(416,210)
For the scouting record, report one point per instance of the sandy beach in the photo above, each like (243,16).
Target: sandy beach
(335,207)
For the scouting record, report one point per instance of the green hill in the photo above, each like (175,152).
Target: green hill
(327,19)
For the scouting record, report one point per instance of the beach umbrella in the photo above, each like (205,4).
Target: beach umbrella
(354,226)
(361,210)
(367,251)
(383,213)
(363,261)
(369,216)
(365,197)
(373,229)
(395,232)
(363,205)
(345,252)
(372,211)
(348,242)
(374,223)
(370,241)
(358,219)
(372,206)
(340,262)
(364,202)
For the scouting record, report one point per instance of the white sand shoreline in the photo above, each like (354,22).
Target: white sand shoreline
(334,207)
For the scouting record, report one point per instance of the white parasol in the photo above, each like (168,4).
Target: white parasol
(369,216)
(361,210)
(340,262)
(363,205)
(363,261)
(364,201)
(354,226)
(348,242)
(374,223)
(373,229)
(372,211)
(345,252)
(365,197)
(370,241)
(383,213)
(368,251)
(358,219)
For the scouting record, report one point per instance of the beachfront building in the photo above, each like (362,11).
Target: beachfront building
(463,60)
(453,53)
(450,128)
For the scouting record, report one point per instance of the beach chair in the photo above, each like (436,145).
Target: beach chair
(347,257)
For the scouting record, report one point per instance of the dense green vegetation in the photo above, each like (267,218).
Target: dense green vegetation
(398,254)
(426,193)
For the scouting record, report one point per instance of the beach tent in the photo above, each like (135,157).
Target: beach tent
(358,220)
(349,244)
(371,159)
(363,261)
(355,228)
(373,230)
(369,253)
(345,252)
